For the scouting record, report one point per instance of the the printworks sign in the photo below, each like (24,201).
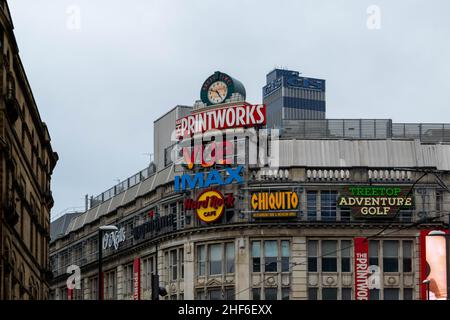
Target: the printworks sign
(371,201)
(210,205)
(274,204)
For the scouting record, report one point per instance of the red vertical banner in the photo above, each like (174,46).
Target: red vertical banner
(361,268)
(137,279)
(69,294)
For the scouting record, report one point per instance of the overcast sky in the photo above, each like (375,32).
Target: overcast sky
(101,83)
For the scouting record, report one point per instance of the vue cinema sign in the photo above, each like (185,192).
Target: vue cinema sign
(207,179)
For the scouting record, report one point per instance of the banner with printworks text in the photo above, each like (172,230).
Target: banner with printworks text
(361,246)
(137,279)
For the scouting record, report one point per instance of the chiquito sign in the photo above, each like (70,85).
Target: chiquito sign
(372,202)
(276,204)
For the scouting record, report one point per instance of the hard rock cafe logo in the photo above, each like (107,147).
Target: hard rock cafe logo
(210,205)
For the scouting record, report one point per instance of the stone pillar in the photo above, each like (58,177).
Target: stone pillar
(242,277)
(120,283)
(189,273)
(85,294)
(299,284)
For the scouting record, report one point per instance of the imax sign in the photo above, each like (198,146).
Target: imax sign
(207,179)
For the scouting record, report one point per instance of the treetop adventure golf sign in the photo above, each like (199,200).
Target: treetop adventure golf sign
(375,201)
(275,204)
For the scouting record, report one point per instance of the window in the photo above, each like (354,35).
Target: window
(285,253)
(173,265)
(229,293)
(346,293)
(128,280)
(110,285)
(256,293)
(346,246)
(329,294)
(230,257)
(200,294)
(390,256)
(311,205)
(270,293)
(256,256)
(181,259)
(312,256)
(215,259)
(408,294)
(407,256)
(374,294)
(214,294)
(201,258)
(270,256)
(373,253)
(329,260)
(285,294)
(328,202)
(391,294)
(438,202)
(93,288)
(312,293)
(148,270)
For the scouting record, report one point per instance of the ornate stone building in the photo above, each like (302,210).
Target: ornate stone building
(26,164)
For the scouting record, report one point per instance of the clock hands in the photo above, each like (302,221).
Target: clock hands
(220,96)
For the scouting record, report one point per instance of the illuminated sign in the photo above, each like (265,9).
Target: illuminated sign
(277,204)
(207,179)
(217,152)
(210,205)
(222,118)
(370,201)
(113,239)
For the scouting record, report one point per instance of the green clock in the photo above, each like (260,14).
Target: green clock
(219,87)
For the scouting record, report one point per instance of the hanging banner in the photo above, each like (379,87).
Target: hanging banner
(361,268)
(137,279)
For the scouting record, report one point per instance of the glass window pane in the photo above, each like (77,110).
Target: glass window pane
(270,256)
(201,260)
(256,254)
(391,294)
(270,293)
(408,294)
(346,294)
(230,257)
(312,293)
(215,259)
(329,294)
(374,294)
(284,256)
(329,248)
(312,248)
(285,294)
(215,294)
(390,248)
(256,293)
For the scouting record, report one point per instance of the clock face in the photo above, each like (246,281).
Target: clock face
(217,92)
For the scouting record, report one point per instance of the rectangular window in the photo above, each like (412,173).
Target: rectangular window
(129,280)
(312,293)
(110,285)
(312,256)
(256,256)
(408,294)
(373,253)
(390,256)
(285,256)
(328,202)
(229,257)
(407,256)
(256,293)
(229,294)
(270,293)
(147,273)
(201,257)
(346,246)
(270,256)
(329,293)
(374,294)
(215,259)
(311,204)
(200,294)
(438,202)
(181,260)
(346,293)
(173,265)
(391,294)
(214,294)
(329,259)
(285,294)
